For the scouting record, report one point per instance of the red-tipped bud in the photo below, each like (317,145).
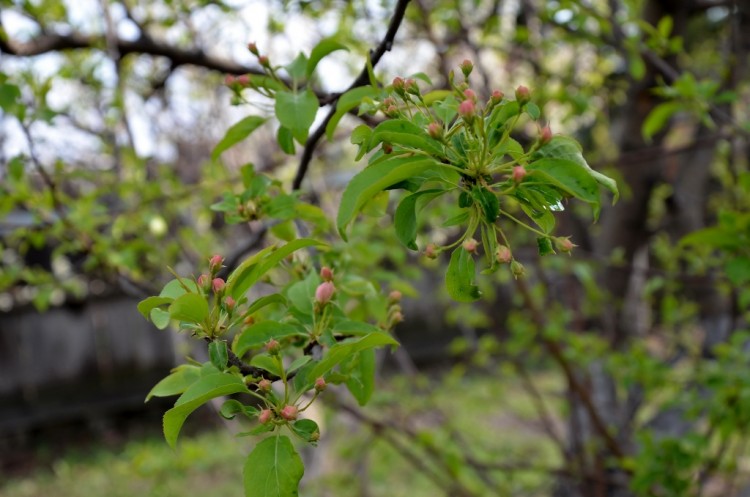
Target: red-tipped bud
(399,85)
(326,274)
(229,80)
(215,262)
(387,102)
(324,292)
(435,130)
(517,269)
(497,96)
(470,245)
(218,285)
(264,385)
(523,95)
(289,413)
(546,135)
(391,111)
(394,297)
(273,347)
(253,48)
(466,109)
(503,255)
(466,67)
(229,303)
(563,244)
(411,86)
(320,384)
(243,80)
(204,281)
(387,148)
(430,251)
(519,172)
(265,416)
(263,61)
(396,317)
(470,95)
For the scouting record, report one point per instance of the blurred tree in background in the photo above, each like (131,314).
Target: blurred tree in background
(631,353)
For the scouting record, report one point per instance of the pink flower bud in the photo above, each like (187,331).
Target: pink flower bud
(394,297)
(264,385)
(263,61)
(503,255)
(466,67)
(204,281)
(396,317)
(229,303)
(435,130)
(466,109)
(324,292)
(326,274)
(430,251)
(497,96)
(320,385)
(273,347)
(523,95)
(215,262)
(391,111)
(517,269)
(470,95)
(289,413)
(563,244)
(546,135)
(411,86)
(387,102)
(229,80)
(398,85)
(218,285)
(470,245)
(265,416)
(253,48)
(519,172)
(243,80)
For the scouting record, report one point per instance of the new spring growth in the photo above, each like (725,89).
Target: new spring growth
(215,262)
(324,292)
(326,274)
(519,172)
(517,269)
(218,285)
(496,97)
(273,347)
(523,95)
(469,94)
(435,130)
(394,297)
(467,109)
(466,67)
(411,86)
(264,385)
(253,48)
(204,281)
(229,80)
(289,413)
(563,244)
(320,385)
(503,255)
(229,303)
(399,86)
(263,61)
(545,136)
(265,416)
(470,245)
(430,251)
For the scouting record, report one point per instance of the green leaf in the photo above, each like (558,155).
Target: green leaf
(190,307)
(405,218)
(177,382)
(9,94)
(488,201)
(205,389)
(175,288)
(544,245)
(237,133)
(145,306)
(160,318)
(286,140)
(301,293)
(273,469)
(459,279)
(274,298)
(361,380)
(297,69)
(532,110)
(658,117)
(344,350)
(231,407)
(251,270)
(217,353)
(266,363)
(375,178)
(406,134)
(307,429)
(323,48)
(568,177)
(298,363)
(346,103)
(296,111)
(258,334)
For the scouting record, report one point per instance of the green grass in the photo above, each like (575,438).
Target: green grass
(490,413)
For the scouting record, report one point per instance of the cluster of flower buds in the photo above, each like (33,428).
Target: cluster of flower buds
(324,292)
(395,316)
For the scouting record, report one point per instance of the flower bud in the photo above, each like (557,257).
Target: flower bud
(470,95)
(435,130)
(411,86)
(204,281)
(497,96)
(229,303)
(243,80)
(326,274)
(394,297)
(265,416)
(563,244)
(387,148)
(273,347)
(517,269)
(264,385)
(324,292)
(503,255)
(229,80)
(388,101)
(320,384)
(263,61)
(218,285)
(546,135)
(519,172)
(391,111)
(289,413)
(466,109)
(430,251)
(398,85)
(470,245)
(466,67)
(523,95)
(253,48)
(396,317)
(215,262)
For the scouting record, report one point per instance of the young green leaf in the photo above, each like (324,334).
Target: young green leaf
(323,48)
(568,177)
(405,219)
(285,140)
(273,469)
(361,376)
(406,134)
(544,245)
(459,279)
(237,133)
(145,306)
(258,334)
(190,307)
(217,353)
(488,201)
(346,103)
(296,111)
(307,429)
(176,383)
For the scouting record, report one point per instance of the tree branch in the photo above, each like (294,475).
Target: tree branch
(361,80)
